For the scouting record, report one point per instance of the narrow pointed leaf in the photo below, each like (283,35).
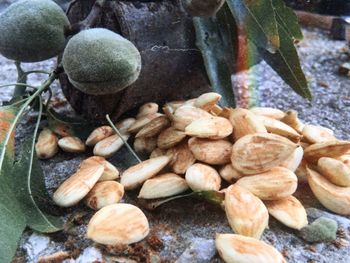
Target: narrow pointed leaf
(286,17)
(287,65)
(211,43)
(257,19)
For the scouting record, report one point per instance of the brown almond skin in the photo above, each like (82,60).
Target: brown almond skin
(259,152)
(185,115)
(277,183)
(103,194)
(246,214)
(213,152)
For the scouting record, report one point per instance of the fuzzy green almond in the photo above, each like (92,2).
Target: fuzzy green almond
(99,61)
(32,30)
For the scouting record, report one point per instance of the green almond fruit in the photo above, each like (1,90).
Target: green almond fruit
(99,61)
(32,30)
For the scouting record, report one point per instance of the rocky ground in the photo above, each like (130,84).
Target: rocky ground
(184,230)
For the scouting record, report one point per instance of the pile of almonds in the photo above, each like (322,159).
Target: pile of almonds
(261,153)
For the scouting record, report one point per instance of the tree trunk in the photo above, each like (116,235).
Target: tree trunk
(172,66)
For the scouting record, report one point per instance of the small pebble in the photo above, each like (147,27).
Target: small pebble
(321,230)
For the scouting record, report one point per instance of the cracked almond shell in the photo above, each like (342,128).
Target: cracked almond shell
(277,183)
(332,149)
(104,194)
(76,187)
(246,213)
(136,175)
(289,211)
(335,198)
(259,152)
(213,152)
(163,186)
(211,128)
(118,224)
(240,249)
(244,122)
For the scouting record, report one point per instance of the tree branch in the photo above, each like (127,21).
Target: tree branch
(89,21)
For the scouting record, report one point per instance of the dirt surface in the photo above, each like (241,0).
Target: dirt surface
(184,230)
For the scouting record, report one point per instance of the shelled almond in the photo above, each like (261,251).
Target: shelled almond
(255,157)
(47,144)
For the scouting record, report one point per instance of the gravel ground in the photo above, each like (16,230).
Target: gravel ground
(186,228)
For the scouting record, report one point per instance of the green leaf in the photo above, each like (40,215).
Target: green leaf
(68,126)
(28,184)
(20,185)
(211,42)
(12,221)
(286,17)
(257,20)
(287,65)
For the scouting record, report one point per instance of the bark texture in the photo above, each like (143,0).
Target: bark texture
(172,66)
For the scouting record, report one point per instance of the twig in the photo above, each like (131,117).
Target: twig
(89,21)
(22,78)
(71,4)
(122,138)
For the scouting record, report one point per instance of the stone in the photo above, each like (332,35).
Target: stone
(321,230)
(200,250)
